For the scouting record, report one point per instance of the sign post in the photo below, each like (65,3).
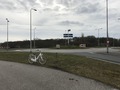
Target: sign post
(68,36)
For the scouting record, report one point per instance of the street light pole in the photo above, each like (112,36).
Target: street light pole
(98,36)
(65,39)
(107,26)
(34,38)
(7,32)
(31,28)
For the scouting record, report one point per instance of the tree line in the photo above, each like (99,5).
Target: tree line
(90,41)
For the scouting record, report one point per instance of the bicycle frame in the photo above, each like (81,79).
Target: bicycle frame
(37,58)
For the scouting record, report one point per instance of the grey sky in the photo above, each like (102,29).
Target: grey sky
(55,17)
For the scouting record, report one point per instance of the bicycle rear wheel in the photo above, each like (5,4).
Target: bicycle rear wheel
(31,56)
(42,59)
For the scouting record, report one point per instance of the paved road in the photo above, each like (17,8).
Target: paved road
(97,53)
(16,76)
(101,56)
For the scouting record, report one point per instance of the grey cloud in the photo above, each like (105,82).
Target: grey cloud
(85,8)
(65,2)
(47,2)
(42,22)
(7,5)
(27,3)
(47,9)
(77,6)
(113,14)
(2,21)
(22,4)
(57,8)
(15,4)
(98,16)
(68,3)
(70,23)
(88,8)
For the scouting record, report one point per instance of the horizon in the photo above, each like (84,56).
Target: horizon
(58,38)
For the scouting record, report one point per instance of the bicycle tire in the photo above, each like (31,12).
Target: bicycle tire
(42,59)
(30,58)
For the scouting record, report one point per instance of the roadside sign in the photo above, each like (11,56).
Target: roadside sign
(67,35)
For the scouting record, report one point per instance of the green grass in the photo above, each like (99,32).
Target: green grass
(98,70)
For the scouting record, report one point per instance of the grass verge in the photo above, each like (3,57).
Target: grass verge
(98,70)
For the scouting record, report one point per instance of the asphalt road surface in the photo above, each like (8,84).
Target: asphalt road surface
(16,76)
(97,53)
(101,56)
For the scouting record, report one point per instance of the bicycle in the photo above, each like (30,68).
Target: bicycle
(37,58)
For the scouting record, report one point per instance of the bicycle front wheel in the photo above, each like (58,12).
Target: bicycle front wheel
(42,59)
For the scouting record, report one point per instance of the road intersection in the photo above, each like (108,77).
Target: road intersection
(97,53)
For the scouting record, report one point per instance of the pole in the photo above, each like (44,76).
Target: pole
(107,26)
(65,38)
(68,38)
(98,39)
(7,32)
(31,28)
(68,35)
(34,38)
(98,36)
(7,35)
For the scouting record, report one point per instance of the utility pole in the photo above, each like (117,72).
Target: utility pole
(7,32)
(31,28)
(107,26)
(99,36)
(34,37)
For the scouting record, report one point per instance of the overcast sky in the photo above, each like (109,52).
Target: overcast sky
(54,17)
